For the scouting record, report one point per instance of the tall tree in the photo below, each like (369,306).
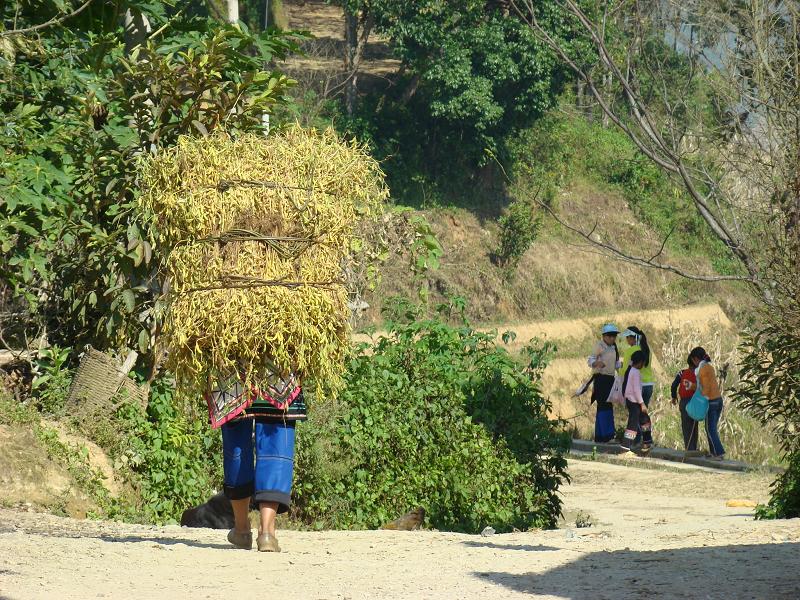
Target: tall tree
(233,10)
(470,75)
(737,156)
(77,111)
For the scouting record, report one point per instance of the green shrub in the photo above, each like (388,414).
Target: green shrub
(51,381)
(437,416)
(518,230)
(173,459)
(768,389)
(784,502)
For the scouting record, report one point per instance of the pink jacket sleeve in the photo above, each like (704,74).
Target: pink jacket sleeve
(633,391)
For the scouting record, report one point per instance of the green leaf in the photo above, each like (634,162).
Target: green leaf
(129,300)
(144,341)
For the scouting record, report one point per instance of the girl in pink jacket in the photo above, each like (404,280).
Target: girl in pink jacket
(638,419)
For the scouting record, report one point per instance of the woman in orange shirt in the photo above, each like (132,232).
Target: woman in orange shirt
(709,387)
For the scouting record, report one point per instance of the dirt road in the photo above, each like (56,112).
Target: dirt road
(656,534)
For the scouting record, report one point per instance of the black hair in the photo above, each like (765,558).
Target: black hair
(700,353)
(636,357)
(689,361)
(642,344)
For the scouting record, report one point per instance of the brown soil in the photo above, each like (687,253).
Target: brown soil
(28,478)
(95,455)
(654,533)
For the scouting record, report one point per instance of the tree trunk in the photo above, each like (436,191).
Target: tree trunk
(351,40)
(580,101)
(233,10)
(137,27)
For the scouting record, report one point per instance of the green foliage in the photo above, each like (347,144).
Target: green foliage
(51,379)
(769,389)
(784,502)
(77,111)
(172,458)
(470,77)
(437,416)
(560,148)
(518,230)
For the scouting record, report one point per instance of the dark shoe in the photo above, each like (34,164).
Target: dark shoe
(625,451)
(241,539)
(267,543)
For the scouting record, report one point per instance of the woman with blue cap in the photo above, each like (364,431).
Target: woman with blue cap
(604,362)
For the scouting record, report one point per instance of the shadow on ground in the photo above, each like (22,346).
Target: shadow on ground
(768,571)
(523,547)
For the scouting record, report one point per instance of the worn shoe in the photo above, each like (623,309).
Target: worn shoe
(716,457)
(241,539)
(267,543)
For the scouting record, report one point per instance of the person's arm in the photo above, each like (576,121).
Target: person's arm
(705,378)
(594,361)
(635,380)
(676,383)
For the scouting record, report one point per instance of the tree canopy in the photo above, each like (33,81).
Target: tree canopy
(80,103)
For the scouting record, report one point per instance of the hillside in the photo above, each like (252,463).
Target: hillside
(559,277)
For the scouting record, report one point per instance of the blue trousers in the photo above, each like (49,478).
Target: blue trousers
(712,421)
(604,430)
(259,465)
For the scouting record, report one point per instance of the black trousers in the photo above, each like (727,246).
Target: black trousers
(689,426)
(638,421)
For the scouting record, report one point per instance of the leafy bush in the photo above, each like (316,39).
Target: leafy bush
(784,502)
(51,380)
(436,416)
(173,459)
(769,389)
(518,230)
(560,148)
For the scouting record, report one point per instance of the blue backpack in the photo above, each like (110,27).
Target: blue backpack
(697,407)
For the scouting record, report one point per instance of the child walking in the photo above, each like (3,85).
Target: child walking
(638,418)
(684,386)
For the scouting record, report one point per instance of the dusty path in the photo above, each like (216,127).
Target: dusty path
(657,533)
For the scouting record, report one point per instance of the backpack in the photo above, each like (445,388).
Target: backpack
(688,384)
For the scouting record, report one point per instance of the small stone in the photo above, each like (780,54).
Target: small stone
(487,531)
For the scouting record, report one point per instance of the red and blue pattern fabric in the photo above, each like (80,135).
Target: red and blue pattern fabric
(228,399)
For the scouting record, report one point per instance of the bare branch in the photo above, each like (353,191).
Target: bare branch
(614,252)
(650,142)
(50,23)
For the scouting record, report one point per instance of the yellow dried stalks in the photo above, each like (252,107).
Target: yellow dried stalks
(237,214)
